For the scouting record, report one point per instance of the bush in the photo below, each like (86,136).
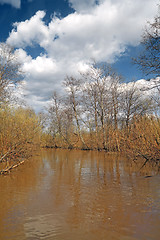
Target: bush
(19,135)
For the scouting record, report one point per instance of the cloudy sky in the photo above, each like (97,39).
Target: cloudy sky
(55,38)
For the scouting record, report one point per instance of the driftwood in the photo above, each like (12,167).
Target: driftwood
(11,150)
(8,169)
(146,160)
(1,159)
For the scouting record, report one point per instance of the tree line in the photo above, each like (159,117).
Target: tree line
(100,112)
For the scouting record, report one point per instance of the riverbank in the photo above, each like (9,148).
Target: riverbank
(140,140)
(21,133)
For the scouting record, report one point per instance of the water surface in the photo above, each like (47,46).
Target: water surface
(80,195)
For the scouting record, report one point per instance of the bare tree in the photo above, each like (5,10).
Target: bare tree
(10,72)
(149,59)
(133,103)
(73,86)
(91,100)
(96,101)
(91,104)
(61,118)
(102,99)
(115,97)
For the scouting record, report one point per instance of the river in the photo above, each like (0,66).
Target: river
(80,195)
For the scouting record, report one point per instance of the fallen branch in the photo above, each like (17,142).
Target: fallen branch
(6,170)
(146,160)
(5,155)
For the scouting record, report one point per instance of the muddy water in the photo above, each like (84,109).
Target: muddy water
(78,195)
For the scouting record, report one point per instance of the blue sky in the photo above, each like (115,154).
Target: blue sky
(55,38)
(9,13)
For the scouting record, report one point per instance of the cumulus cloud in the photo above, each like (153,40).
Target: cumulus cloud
(99,30)
(14,3)
(43,75)
(29,32)
(103,33)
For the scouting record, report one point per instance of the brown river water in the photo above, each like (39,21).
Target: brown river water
(80,195)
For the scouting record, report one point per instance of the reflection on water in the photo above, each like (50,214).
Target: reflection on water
(75,195)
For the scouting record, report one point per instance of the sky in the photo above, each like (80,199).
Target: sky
(55,38)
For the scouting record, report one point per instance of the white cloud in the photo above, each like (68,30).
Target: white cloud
(94,31)
(29,32)
(103,33)
(43,75)
(14,3)
(82,5)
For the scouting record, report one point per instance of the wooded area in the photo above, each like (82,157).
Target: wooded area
(99,112)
